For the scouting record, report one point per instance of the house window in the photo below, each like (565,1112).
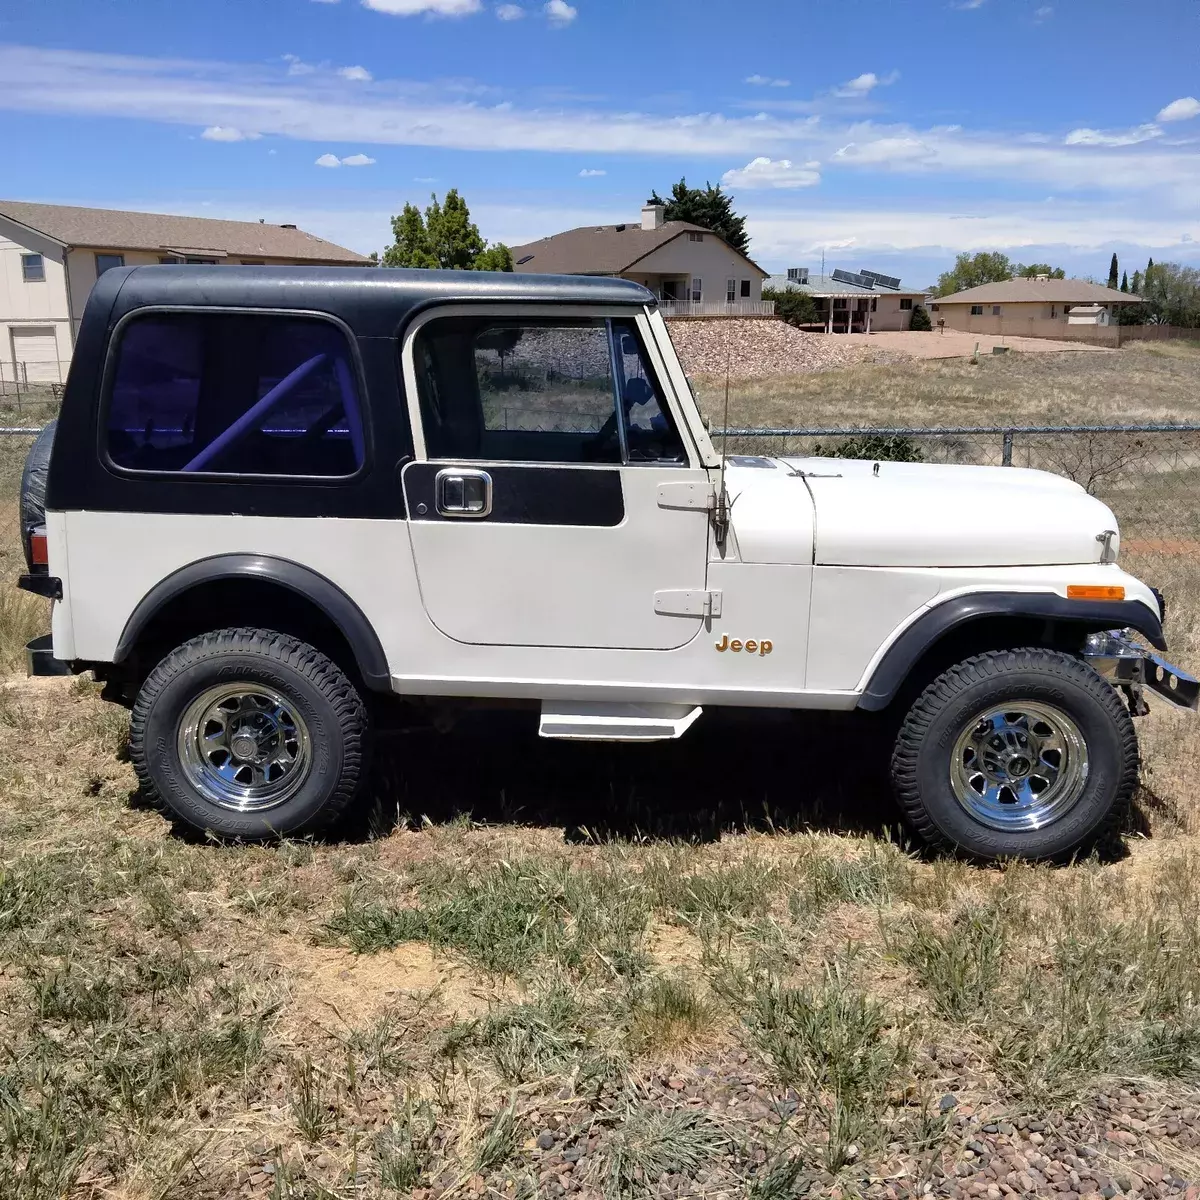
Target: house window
(995,310)
(253,262)
(840,302)
(33,268)
(936,307)
(697,289)
(1054,312)
(106,262)
(874,303)
(977,310)
(695,237)
(493,390)
(730,291)
(745,289)
(905,303)
(234,395)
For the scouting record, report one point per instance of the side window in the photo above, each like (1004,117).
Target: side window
(495,390)
(234,394)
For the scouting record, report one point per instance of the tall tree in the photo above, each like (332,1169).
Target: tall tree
(710,207)
(1113,270)
(445,237)
(970,270)
(1125,281)
(1136,286)
(1033,269)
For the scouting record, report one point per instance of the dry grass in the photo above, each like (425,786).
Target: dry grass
(530,968)
(1142,383)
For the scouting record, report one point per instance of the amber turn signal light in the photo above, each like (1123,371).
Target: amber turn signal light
(1094,591)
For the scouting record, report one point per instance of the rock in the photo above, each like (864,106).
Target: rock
(545,1140)
(948,1103)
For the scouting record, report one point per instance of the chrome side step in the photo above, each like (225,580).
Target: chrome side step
(582,720)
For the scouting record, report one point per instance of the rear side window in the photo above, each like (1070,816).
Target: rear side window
(234,394)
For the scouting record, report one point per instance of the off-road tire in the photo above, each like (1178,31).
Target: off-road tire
(921,759)
(331,707)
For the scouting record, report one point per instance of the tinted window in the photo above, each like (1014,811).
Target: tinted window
(539,391)
(106,262)
(234,394)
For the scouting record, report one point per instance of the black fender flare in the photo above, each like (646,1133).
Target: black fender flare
(326,595)
(1090,616)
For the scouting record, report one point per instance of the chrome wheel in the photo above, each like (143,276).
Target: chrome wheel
(244,747)
(1020,766)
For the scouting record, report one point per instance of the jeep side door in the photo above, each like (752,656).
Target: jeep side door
(536,503)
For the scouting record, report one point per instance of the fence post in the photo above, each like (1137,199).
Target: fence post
(1006,454)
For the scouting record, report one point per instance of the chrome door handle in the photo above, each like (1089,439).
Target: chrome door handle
(463,493)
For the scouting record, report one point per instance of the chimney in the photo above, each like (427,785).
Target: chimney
(653,216)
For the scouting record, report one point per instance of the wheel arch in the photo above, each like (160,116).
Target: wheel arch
(233,588)
(966,625)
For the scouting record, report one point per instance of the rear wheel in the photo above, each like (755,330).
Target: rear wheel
(249,734)
(1016,754)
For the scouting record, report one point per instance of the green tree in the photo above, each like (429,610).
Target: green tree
(970,270)
(792,305)
(1136,286)
(1125,281)
(1034,269)
(1113,270)
(920,321)
(443,237)
(710,207)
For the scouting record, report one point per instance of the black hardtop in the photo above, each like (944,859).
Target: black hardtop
(374,302)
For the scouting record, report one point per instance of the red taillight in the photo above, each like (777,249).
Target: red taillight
(39,553)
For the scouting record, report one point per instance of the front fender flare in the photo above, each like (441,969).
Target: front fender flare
(1089,616)
(326,595)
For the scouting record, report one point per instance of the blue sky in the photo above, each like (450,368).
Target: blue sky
(890,133)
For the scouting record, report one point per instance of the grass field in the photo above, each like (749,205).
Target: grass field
(707,969)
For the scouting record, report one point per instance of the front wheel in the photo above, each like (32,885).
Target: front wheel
(247,733)
(1016,754)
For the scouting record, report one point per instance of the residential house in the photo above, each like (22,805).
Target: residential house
(692,271)
(1033,307)
(853,301)
(51,255)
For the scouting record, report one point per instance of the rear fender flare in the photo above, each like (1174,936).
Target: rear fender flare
(338,607)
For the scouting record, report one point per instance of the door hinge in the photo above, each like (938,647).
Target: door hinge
(699,496)
(687,604)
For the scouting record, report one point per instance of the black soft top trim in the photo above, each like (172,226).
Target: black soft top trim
(1088,615)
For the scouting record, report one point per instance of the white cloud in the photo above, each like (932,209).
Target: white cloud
(325,1)
(328,160)
(767,81)
(1044,13)
(774,173)
(1182,109)
(967,5)
(358,160)
(435,8)
(356,74)
(559,12)
(1102,137)
(226,133)
(296,66)
(864,84)
(591,173)
(509,12)
(886,151)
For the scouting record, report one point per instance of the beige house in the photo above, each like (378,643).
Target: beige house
(51,255)
(692,271)
(853,301)
(1037,307)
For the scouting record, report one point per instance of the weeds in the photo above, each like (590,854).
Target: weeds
(961,967)
(313,1114)
(649,1142)
(668,1012)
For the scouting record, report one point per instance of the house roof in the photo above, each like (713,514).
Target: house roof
(603,249)
(1030,291)
(111,229)
(826,285)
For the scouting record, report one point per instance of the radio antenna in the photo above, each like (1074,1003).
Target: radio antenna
(721,512)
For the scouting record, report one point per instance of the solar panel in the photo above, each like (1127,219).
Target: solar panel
(851,277)
(887,281)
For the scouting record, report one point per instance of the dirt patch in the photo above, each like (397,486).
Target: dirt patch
(335,988)
(1161,545)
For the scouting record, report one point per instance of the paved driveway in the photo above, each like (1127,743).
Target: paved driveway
(953,343)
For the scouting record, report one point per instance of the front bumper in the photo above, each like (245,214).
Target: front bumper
(1131,667)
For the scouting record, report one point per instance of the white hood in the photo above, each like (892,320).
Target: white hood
(927,515)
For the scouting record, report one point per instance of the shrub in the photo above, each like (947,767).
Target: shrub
(794,307)
(875,446)
(920,319)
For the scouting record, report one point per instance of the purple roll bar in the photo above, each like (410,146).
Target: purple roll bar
(350,406)
(253,415)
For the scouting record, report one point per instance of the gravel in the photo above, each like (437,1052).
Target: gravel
(762,347)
